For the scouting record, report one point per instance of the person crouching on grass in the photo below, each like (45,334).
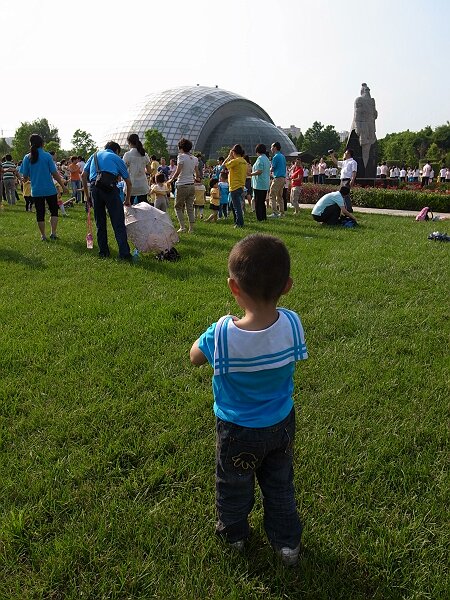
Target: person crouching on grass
(331,208)
(254,361)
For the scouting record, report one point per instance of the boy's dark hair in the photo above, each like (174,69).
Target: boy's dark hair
(350,151)
(344,190)
(261,265)
(8,157)
(160,178)
(153,157)
(213,181)
(73,158)
(185,145)
(277,145)
(223,176)
(114,146)
(261,149)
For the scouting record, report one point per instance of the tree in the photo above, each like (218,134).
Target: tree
(21,141)
(434,153)
(399,148)
(83,144)
(155,143)
(441,136)
(223,151)
(4,147)
(53,147)
(318,139)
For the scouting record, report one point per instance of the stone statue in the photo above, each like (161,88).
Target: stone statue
(362,138)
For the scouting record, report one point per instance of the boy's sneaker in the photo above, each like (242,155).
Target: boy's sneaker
(239,546)
(53,236)
(273,216)
(44,238)
(181,230)
(289,556)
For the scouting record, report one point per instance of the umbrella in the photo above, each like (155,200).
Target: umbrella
(149,229)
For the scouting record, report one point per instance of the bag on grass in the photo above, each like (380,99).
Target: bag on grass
(171,255)
(423,215)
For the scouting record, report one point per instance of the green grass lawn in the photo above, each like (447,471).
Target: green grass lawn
(107,431)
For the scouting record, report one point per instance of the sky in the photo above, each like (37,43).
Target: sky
(84,65)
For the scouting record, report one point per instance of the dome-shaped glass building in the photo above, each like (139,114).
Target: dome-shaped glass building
(210,117)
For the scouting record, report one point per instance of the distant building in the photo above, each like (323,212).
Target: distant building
(291,130)
(211,118)
(343,136)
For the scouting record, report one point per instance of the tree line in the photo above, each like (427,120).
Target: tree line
(405,147)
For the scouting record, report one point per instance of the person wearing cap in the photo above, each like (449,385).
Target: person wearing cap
(331,207)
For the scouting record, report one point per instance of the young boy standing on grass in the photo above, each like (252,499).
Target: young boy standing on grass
(254,360)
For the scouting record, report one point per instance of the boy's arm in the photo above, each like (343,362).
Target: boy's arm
(196,355)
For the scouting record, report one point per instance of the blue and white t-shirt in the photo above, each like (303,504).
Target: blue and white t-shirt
(253,370)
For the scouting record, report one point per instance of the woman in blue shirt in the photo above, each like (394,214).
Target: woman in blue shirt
(261,181)
(39,168)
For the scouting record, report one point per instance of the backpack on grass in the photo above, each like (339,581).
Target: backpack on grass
(423,215)
(171,255)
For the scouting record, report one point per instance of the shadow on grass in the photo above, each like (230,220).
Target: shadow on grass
(320,573)
(33,262)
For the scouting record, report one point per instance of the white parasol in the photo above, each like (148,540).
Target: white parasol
(149,229)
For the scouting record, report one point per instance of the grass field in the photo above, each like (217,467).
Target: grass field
(107,432)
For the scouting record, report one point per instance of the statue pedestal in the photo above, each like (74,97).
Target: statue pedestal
(364,172)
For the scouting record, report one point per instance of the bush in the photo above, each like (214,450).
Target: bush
(400,199)
(396,199)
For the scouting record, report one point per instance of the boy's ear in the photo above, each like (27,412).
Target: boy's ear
(233,285)
(287,287)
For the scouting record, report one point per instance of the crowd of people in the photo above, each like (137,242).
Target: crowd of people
(424,175)
(233,185)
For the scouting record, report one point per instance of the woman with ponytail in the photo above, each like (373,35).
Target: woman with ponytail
(137,160)
(38,168)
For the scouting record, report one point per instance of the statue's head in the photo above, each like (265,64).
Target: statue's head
(365,89)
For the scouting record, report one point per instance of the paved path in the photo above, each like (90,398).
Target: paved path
(387,211)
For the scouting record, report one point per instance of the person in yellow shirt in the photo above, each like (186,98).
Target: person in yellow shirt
(154,166)
(26,191)
(214,195)
(237,173)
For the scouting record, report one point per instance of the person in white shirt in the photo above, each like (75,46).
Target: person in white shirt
(384,171)
(396,171)
(391,173)
(416,174)
(447,176)
(426,171)
(333,172)
(322,167)
(402,174)
(442,173)
(305,174)
(378,170)
(349,168)
(431,176)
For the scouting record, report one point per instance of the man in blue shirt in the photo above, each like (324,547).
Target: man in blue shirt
(331,207)
(278,171)
(108,161)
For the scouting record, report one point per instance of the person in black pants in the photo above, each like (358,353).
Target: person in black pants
(331,207)
(261,181)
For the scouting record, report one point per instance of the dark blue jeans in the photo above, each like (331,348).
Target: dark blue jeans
(236,199)
(111,201)
(244,453)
